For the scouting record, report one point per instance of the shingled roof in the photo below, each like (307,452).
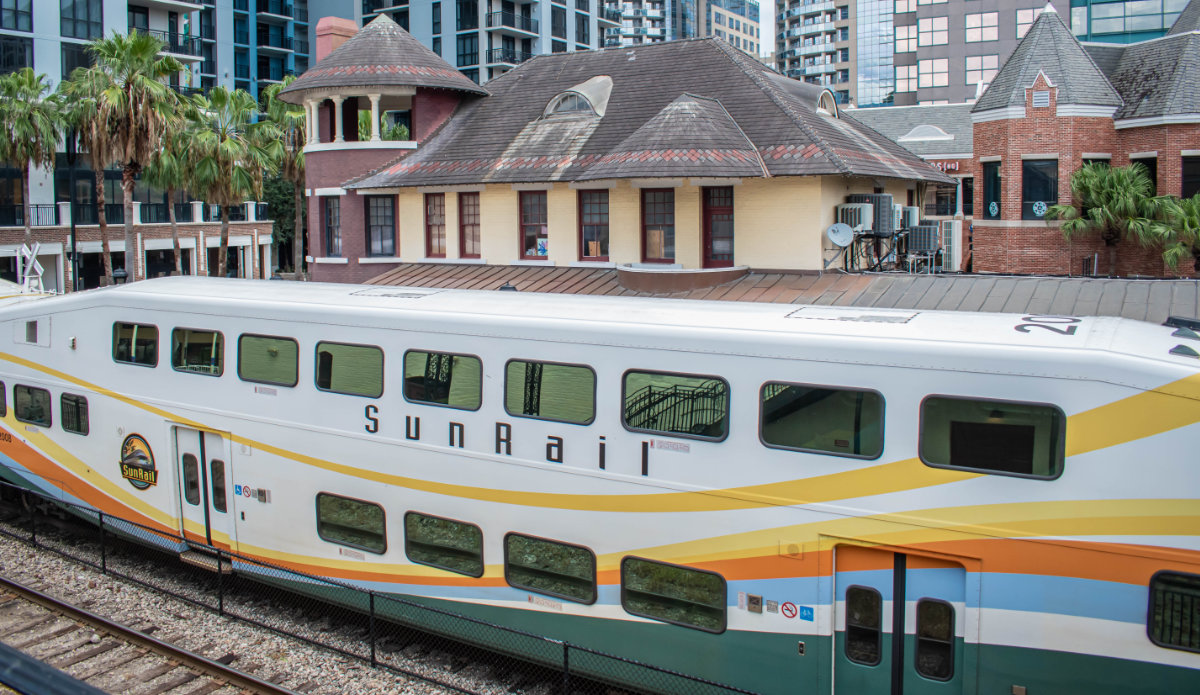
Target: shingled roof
(506,138)
(1050,48)
(1160,77)
(381,54)
(911,126)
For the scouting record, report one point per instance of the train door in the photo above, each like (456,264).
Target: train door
(868,658)
(204,472)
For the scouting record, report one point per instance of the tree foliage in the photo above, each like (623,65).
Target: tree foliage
(81,98)
(1183,239)
(32,119)
(289,119)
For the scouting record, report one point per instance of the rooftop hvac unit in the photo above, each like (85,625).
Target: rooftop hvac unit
(912,217)
(952,245)
(859,216)
(884,222)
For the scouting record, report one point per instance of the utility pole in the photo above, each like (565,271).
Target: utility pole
(72,156)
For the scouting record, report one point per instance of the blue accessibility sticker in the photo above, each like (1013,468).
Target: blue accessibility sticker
(806,613)
(237,490)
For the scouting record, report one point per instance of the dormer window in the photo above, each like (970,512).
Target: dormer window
(588,98)
(925,133)
(568,104)
(827,104)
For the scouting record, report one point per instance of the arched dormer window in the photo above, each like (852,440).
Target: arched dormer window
(925,133)
(827,104)
(588,98)
(568,103)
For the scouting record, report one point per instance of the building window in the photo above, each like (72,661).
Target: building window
(558,22)
(822,419)
(351,522)
(435,225)
(933,31)
(381,225)
(673,594)
(472,74)
(268,359)
(16,15)
(990,436)
(444,543)
(991,190)
(135,343)
(658,225)
(931,2)
(1151,166)
(437,18)
(906,78)
(437,45)
(548,567)
(82,19)
(16,52)
(353,370)
(1025,19)
(440,378)
(332,220)
(968,195)
(558,46)
(468,49)
(906,6)
(1173,618)
(982,68)
(1039,187)
(74,55)
(534,237)
(74,414)
(593,225)
(198,352)
(933,73)
(581,28)
(906,39)
(984,26)
(468,225)
(468,14)
(1191,177)
(32,405)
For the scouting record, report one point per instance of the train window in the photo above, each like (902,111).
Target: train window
(355,370)
(74,413)
(864,625)
(351,522)
(551,568)
(191,479)
(268,359)
(216,476)
(32,405)
(3,401)
(134,343)
(1173,619)
(548,391)
(444,543)
(198,352)
(844,422)
(1002,437)
(673,594)
(687,405)
(441,378)
(935,639)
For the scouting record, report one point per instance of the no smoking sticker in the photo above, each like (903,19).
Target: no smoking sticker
(788,609)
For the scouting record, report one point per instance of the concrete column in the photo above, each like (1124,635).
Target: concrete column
(140,262)
(197,211)
(251,211)
(374,117)
(958,202)
(201,253)
(137,212)
(64,214)
(310,121)
(337,119)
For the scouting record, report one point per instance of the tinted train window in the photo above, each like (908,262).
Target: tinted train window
(198,352)
(216,477)
(444,543)
(74,413)
(135,343)
(355,370)
(935,639)
(3,401)
(680,404)
(1173,620)
(268,360)
(864,625)
(547,567)
(441,378)
(32,405)
(673,594)
(547,391)
(846,422)
(191,479)
(1000,437)
(350,522)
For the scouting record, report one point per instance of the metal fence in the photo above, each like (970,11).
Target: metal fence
(40,215)
(372,626)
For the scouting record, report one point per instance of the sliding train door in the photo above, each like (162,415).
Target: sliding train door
(868,657)
(203,471)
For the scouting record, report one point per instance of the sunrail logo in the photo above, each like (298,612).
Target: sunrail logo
(137,462)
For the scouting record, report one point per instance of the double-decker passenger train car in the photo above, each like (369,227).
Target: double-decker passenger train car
(788,499)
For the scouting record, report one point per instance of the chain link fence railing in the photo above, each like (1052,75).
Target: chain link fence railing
(401,634)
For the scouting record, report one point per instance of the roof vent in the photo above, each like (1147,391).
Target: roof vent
(821,313)
(1185,333)
(1041,99)
(394,292)
(1184,351)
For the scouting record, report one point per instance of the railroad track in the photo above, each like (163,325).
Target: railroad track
(111,657)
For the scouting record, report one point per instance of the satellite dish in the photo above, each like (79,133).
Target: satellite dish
(841,234)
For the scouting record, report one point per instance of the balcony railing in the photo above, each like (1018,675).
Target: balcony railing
(275,7)
(242,72)
(507,55)
(610,15)
(280,42)
(369,6)
(39,215)
(242,36)
(85,213)
(185,91)
(156,213)
(182,44)
(511,20)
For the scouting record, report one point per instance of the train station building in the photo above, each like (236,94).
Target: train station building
(677,163)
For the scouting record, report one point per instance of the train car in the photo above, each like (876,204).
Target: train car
(787,499)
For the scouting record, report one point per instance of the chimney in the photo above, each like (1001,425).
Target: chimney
(331,33)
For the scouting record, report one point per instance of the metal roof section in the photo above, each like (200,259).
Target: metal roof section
(905,124)
(381,54)
(1049,48)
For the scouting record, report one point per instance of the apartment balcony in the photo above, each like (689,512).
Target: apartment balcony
(274,44)
(818,27)
(819,69)
(816,48)
(181,46)
(276,11)
(169,5)
(374,6)
(512,23)
(647,13)
(185,91)
(608,16)
(795,73)
(507,56)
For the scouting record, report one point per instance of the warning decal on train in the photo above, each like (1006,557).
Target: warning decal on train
(137,462)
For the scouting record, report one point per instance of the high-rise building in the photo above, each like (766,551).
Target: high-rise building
(1123,21)
(485,39)
(736,21)
(816,39)
(652,21)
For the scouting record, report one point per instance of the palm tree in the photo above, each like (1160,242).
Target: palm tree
(289,118)
(1183,241)
(81,98)
(32,122)
(232,153)
(137,104)
(170,170)
(1115,203)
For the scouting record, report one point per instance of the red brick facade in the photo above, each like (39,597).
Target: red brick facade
(1013,245)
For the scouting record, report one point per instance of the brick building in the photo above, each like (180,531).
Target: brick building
(684,162)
